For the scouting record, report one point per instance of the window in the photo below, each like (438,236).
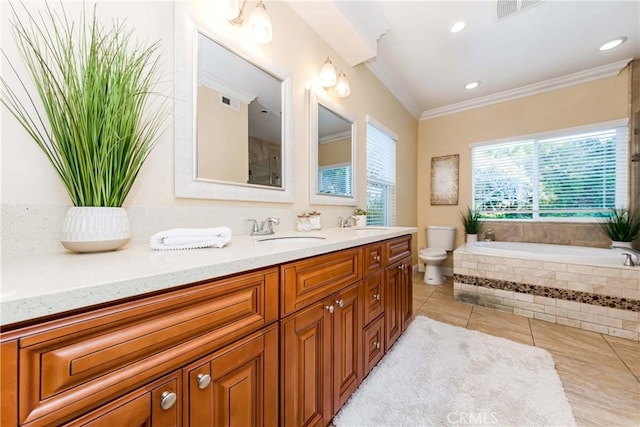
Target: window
(577,173)
(381,175)
(335,180)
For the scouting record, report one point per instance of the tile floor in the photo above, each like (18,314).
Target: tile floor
(600,373)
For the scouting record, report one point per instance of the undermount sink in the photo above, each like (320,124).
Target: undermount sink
(291,239)
(372,229)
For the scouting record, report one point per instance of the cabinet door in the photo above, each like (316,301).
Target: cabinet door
(305,366)
(237,386)
(393,296)
(347,344)
(372,258)
(406,292)
(155,405)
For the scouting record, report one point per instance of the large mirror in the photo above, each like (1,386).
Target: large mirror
(233,124)
(332,140)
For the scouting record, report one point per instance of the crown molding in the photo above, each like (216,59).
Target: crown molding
(580,77)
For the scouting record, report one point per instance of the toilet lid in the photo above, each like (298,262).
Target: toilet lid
(433,252)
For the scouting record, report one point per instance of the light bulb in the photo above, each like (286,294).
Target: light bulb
(260,24)
(228,9)
(342,86)
(328,76)
(613,43)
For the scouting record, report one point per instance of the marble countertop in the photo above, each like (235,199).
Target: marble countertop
(45,284)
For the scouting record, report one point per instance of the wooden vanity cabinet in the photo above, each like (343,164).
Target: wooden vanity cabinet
(398,300)
(84,362)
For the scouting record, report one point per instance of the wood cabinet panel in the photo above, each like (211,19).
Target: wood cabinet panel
(305,367)
(9,375)
(308,281)
(87,364)
(243,385)
(372,258)
(373,344)
(406,301)
(393,296)
(142,407)
(397,249)
(347,344)
(373,300)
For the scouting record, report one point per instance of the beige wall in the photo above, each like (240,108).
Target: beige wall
(223,138)
(28,179)
(334,152)
(593,102)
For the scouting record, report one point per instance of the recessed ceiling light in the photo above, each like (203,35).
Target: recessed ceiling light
(613,43)
(458,26)
(472,85)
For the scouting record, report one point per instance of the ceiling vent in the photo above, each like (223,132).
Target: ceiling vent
(506,8)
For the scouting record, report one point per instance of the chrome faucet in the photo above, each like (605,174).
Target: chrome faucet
(265,228)
(346,222)
(629,252)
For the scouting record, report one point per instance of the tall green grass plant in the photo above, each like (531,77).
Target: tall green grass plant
(93,121)
(622,225)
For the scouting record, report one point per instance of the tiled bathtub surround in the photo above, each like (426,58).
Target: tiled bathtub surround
(600,299)
(557,233)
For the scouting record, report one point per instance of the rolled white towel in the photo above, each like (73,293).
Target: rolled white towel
(190,238)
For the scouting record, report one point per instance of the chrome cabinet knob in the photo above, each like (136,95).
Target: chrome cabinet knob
(377,258)
(203,381)
(340,303)
(330,308)
(376,345)
(376,297)
(167,400)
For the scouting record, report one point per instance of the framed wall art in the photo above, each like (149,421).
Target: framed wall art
(444,179)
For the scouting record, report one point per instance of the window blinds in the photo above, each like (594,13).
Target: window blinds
(580,175)
(381,177)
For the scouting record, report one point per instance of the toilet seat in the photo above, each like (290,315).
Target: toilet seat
(433,254)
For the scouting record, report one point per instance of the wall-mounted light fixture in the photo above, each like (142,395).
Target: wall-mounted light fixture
(259,22)
(330,78)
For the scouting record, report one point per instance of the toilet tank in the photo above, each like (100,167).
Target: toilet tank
(441,237)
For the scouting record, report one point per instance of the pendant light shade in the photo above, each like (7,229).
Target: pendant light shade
(328,77)
(228,9)
(260,24)
(342,86)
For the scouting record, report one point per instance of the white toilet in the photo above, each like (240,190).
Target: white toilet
(440,239)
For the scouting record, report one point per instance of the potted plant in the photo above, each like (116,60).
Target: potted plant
(471,224)
(93,124)
(361,217)
(622,226)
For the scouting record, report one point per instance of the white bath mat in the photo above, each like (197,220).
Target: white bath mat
(442,375)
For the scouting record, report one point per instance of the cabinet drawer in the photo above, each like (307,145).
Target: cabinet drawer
(85,360)
(309,281)
(373,289)
(372,258)
(373,347)
(396,249)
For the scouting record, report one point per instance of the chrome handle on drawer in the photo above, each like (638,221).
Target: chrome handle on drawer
(403,267)
(203,381)
(377,258)
(330,308)
(376,345)
(376,297)
(167,400)
(340,303)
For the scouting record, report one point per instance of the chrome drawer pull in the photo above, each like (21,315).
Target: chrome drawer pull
(340,303)
(167,400)
(376,297)
(203,381)
(377,258)
(330,308)
(376,345)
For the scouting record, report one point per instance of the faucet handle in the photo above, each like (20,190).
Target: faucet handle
(628,261)
(254,228)
(273,220)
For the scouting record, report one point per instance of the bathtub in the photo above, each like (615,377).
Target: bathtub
(548,252)
(580,287)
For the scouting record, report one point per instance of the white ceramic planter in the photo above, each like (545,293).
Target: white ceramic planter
(621,244)
(361,220)
(95,229)
(472,238)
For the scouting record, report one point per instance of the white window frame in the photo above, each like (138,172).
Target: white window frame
(390,214)
(622,193)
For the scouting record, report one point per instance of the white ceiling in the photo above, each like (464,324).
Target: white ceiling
(426,66)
